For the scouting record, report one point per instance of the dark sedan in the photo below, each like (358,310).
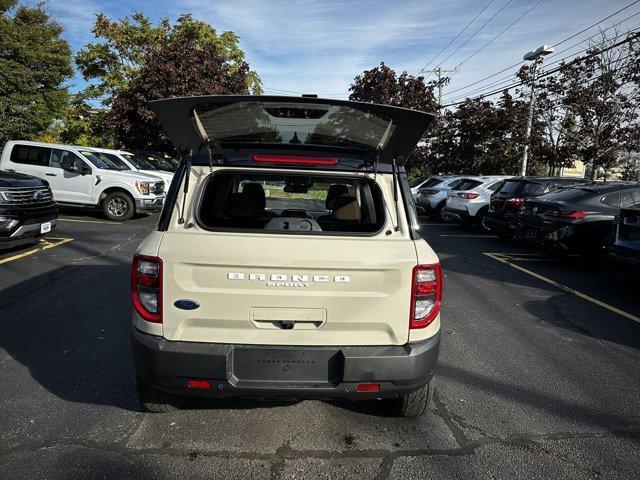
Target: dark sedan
(506,201)
(578,218)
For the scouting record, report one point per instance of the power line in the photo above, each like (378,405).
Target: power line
(499,34)
(597,23)
(508,79)
(458,35)
(549,72)
(476,32)
(482,80)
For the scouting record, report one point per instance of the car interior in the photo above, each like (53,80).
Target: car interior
(290,203)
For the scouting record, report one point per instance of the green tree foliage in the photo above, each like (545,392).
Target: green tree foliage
(178,68)
(122,46)
(34,64)
(383,85)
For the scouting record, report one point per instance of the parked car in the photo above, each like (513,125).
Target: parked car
(509,197)
(624,247)
(159,160)
(578,218)
(129,161)
(433,198)
(468,201)
(287,269)
(27,209)
(79,177)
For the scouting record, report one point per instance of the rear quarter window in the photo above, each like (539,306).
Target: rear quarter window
(290,204)
(30,155)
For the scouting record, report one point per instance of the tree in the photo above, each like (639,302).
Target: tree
(123,46)
(382,85)
(178,68)
(602,93)
(34,64)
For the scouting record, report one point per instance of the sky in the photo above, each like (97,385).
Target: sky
(304,46)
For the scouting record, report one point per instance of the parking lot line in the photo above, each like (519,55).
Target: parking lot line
(44,245)
(506,259)
(87,221)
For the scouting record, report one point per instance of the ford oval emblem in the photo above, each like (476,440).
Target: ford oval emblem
(185,304)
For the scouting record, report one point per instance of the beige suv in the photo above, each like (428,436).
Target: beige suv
(287,261)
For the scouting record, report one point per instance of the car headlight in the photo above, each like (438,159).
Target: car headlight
(143,187)
(7,223)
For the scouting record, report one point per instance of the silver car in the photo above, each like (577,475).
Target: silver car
(432,196)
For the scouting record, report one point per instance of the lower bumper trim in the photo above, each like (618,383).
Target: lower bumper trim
(168,365)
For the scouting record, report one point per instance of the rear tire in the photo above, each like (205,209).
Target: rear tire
(155,400)
(118,206)
(415,403)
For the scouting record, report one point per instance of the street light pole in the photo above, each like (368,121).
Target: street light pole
(536,56)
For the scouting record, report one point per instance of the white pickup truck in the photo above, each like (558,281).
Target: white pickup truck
(79,177)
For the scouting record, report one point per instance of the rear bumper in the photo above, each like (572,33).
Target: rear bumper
(500,225)
(455,215)
(149,204)
(238,370)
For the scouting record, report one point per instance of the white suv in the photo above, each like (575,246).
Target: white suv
(468,201)
(79,177)
(129,161)
(287,261)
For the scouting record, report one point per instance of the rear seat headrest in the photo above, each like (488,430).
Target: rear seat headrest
(242,205)
(347,208)
(256,190)
(336,190)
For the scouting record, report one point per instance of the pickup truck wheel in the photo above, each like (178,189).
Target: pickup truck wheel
(414,404)
(155,400)
(118,206)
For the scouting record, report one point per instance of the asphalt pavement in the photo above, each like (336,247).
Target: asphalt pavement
(539,376)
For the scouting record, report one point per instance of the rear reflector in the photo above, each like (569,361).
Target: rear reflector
(368,387)
(199,384)
(293,159)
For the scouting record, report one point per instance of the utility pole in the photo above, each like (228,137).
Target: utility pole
(441,81)
(536,56)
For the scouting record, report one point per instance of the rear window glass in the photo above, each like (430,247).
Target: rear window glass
(467,184)
(574,194)
(291,203)
(432,182)
(517,187)
(294,123)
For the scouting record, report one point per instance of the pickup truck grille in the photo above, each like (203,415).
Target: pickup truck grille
(26,195)
(158,188)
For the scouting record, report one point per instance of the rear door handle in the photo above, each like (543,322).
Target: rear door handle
(51,174)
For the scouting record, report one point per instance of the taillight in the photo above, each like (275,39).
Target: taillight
(516,202)
(426,295)
(428,191)
(575,215)
(468,195)
(146,287)
(293,159)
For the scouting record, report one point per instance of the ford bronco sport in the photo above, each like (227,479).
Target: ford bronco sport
(287,261)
